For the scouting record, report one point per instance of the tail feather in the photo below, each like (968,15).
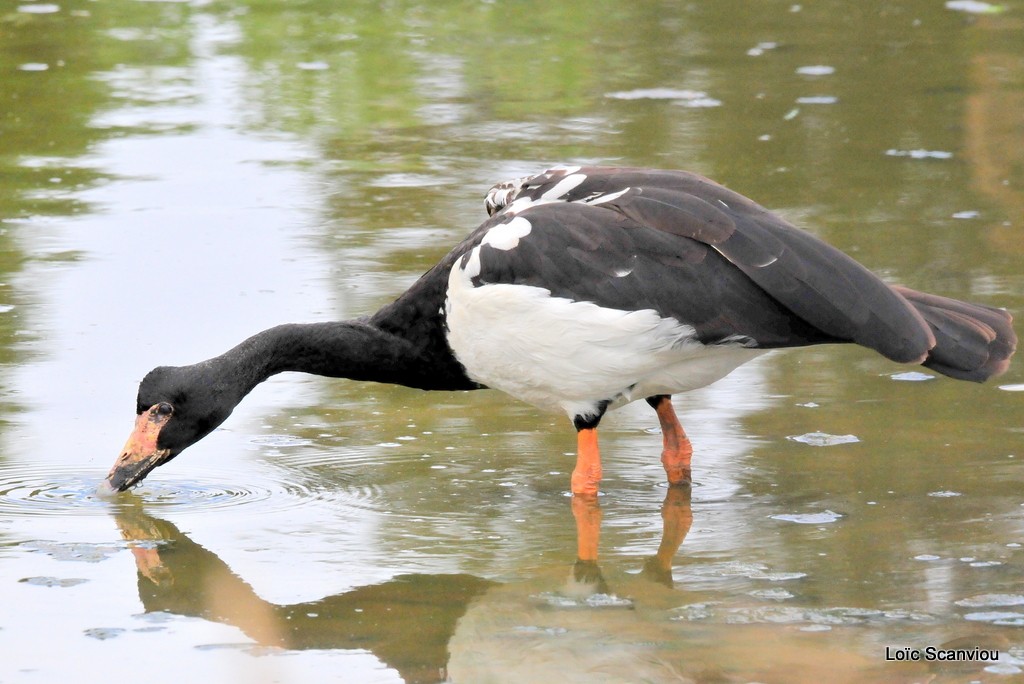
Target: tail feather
(972,341)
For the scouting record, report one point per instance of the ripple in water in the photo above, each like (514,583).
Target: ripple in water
(40,490)
(195,495)
(33,489)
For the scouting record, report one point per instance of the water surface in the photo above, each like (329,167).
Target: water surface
(180,175)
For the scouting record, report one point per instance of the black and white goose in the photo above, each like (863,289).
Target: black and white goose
(586,289)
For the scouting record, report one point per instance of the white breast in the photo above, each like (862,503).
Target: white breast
(560,354)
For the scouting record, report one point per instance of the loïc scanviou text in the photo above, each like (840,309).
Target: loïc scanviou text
(935,653)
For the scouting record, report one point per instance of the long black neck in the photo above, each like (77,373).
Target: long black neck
(353,349)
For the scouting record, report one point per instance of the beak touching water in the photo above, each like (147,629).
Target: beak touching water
(140,454)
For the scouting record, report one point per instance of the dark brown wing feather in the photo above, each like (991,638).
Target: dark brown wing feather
(973,341)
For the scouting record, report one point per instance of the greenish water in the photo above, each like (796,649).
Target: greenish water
(175,176)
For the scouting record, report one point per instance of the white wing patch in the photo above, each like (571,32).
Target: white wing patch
(505,236)
(564,186)
(608,197)
(519,204)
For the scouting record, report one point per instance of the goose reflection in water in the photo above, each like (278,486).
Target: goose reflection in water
(558,624)
(676,515)
(407,622)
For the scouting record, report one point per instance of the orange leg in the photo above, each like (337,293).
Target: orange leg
(587,474)
(677,450)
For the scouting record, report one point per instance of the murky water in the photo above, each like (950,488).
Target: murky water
(179,175)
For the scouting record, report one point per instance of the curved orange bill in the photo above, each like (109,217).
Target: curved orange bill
(140,454)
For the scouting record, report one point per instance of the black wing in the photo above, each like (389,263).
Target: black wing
(693,250)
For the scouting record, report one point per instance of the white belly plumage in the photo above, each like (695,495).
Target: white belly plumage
(560,354)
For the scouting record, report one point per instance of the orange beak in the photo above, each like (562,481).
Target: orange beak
(140,454)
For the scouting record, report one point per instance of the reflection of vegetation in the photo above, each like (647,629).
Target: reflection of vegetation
(51,93)
(428,88)
(993,127)
(55,67)
(380,69)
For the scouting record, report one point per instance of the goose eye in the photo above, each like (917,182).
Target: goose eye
(164,409)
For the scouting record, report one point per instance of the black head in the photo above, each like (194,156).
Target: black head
(176,407)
